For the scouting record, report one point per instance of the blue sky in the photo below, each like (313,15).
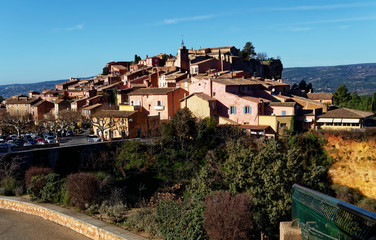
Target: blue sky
(50,40)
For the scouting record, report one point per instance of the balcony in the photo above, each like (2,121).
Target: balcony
(159,108)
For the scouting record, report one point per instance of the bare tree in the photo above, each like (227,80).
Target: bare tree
(103,121)
(49,122)
(262,56)
(68,118)
(18,123)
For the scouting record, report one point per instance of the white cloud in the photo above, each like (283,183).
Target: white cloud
(185,19)
(75,28)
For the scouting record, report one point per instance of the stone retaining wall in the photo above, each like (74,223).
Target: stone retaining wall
(80,223)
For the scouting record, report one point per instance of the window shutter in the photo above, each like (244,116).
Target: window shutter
(244,110)
(234,110)
(250,110)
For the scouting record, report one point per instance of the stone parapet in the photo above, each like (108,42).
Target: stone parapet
(78,222)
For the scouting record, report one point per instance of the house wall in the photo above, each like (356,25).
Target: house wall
(149,102)
(278,110)
(277,123)
(39,111)
(18,109)
(169,103)
(135,126)
(342,126)
(199,107)
(227,100)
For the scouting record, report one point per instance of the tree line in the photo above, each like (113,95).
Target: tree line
(343,98)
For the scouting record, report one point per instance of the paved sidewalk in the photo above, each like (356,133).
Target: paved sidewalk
(119,232)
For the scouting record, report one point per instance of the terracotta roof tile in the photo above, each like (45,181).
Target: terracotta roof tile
(200,95)
(346,113)
(116,113)
(320,96)
(152,91)
(282,104)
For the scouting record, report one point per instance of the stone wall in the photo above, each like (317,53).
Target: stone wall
(80,223)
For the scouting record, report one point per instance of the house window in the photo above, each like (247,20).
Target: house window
(232,110)
(242,88)
(247,110)
(159,103)
(139,102)
(213,93)
(283,113)
(132,103)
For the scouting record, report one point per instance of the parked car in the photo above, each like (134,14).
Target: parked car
(11,143)
(19,142)
(31,141)
(93,138)
(69,133)
(50,139)
(41,141)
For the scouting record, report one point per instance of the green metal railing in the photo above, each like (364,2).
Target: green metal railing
(324,217)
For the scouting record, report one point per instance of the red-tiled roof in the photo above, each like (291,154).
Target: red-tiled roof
(152,91)
(346,113)
(200,95)
(320,96)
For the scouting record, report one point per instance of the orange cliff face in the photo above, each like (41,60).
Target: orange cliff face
(355,164)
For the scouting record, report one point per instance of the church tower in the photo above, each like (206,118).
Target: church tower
(182,60)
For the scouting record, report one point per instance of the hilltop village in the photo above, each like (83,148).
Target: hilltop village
(131,99)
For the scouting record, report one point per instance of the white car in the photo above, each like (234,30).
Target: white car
(93,138)
(50,139)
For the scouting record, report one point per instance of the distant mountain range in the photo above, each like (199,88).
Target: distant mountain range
(23,88)
(360,78)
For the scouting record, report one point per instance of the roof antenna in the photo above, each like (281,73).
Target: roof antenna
(182,40)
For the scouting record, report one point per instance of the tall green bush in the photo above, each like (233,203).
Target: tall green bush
(181,220)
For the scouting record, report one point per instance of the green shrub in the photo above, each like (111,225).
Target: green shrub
(9,185)
(46,188)
(144,220)
(181,220)
(346,194)
(114,212)
(35,171)
(368,204)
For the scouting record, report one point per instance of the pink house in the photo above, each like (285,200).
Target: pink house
(242,101)
(158,101)
(150,61)
(235,101)
(209,64)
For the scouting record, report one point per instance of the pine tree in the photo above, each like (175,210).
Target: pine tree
(373,102)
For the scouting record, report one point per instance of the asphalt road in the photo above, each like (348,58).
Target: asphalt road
(21,226)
